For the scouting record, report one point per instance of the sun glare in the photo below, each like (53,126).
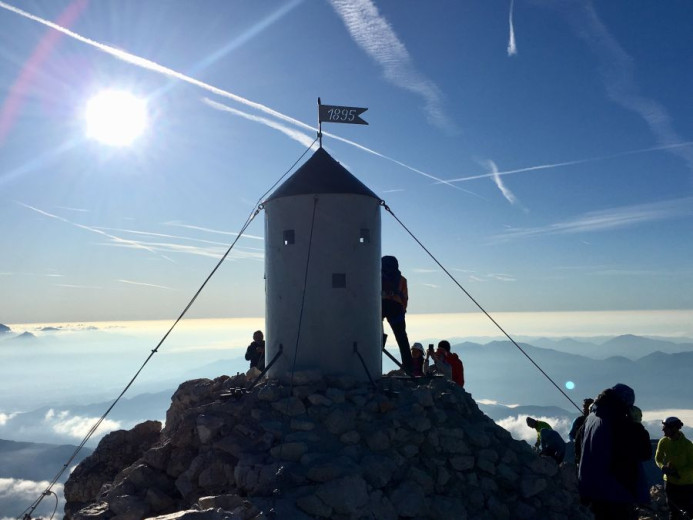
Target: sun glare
(115,117)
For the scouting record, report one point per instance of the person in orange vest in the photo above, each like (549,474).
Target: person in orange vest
(448,363)
(394,305)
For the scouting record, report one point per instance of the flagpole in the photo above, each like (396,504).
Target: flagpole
(319,125)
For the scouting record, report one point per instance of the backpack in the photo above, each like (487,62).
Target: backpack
(457,368)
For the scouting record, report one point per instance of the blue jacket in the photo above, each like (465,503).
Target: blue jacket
(613,449)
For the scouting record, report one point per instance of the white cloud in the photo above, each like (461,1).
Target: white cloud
(618,73)
(512,46)
(27,491)
(63,423)
(607,220)
(374,34)
(509,195)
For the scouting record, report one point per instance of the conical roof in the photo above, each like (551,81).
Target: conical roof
(321,174)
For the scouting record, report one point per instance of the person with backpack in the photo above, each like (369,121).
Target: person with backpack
(448,363)
(614,448)
(394,305)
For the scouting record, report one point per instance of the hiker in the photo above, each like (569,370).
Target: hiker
(580,420)
(538,426)
(551,444)
(674,456)
(394,306)
(614,447)
(419,361)
(448,363)
(255,353)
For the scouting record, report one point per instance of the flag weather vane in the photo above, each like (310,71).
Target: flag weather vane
(338,114)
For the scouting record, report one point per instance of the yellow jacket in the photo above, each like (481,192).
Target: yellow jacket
(678,455)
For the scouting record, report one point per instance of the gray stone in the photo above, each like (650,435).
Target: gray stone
(378,441)
(408,499)
(325,471)
(497,509)
(315,507)
(129,507)
(530,486)
(158,500)
(289,451)
(378,470)
(319,400)
(423,396)
(350,437)
(340,420)
(96,511)
(462,463)
(268,393)
(335,395)
(208,427)
(301,424)
(227,502)
(445,507)
(290,406)
(346,495)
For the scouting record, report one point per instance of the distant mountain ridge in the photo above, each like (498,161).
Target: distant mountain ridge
(500,372)
(627,345)
(36,461)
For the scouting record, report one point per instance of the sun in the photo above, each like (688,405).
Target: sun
(115,117)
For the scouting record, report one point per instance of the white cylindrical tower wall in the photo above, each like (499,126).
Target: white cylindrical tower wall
(323,287)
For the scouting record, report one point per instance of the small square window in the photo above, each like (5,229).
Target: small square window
(338,280)
(289,237)
(365,236)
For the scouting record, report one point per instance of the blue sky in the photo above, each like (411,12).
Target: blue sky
(541,150)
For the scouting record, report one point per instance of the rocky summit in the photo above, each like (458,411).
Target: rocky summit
(320,448)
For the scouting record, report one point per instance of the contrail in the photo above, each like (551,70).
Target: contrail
(509,195)
(300,138)
(571,163)
(292,133)
(143,284)
(374,34)
(118,240)
(618,73)
(155,67)
(512,47)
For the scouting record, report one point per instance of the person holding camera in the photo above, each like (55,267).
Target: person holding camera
(448,363)
(255,353)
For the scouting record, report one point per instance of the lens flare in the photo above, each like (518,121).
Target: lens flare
(569,385)
(116,117)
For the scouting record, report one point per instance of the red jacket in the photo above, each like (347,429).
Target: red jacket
(457,368)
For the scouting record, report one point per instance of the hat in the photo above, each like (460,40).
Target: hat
(672,421)
(624,393)
(418,346)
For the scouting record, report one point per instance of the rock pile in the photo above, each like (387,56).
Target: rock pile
(321,448)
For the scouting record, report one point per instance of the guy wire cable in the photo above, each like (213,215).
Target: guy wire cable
(26,514)
(382,203)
